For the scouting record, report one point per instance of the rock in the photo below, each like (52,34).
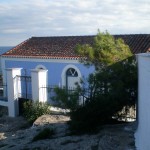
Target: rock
(50,119)
(2,136)
(57,122)
(113,137)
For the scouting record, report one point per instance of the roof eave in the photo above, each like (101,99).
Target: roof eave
(43,57)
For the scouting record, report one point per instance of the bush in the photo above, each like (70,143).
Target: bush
(112,86)
(92,114)
(33,110)
(3,111)
(67,99)
(46,133)
(111,89)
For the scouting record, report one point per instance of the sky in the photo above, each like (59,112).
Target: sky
(23,19)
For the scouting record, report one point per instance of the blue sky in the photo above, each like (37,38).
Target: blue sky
(22,19)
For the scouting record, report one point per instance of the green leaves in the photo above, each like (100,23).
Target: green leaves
(105,51)
(68,99)
(112,87)
(33,110)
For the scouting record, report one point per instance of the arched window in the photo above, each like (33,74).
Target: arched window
(70,75)
(72,72)
(71,78)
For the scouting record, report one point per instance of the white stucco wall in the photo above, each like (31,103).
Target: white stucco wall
(39,84)
(142,135)
(13,88)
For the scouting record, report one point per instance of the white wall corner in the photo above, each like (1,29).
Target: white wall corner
(142,134)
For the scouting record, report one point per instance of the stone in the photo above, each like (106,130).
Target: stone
(49,119)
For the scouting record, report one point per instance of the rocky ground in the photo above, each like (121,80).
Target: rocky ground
(15,134)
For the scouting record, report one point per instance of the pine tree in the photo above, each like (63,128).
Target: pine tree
(105,51)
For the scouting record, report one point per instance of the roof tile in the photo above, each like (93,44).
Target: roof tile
(64,46)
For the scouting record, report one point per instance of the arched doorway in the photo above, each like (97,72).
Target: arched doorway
(70,75)
(71,78)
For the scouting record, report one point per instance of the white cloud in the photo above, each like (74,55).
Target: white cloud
(72,17)
(14,31)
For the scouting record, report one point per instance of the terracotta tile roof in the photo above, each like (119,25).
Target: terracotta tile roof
(49,47)
(63,47)
(138,43)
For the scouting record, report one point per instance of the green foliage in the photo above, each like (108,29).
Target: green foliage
(33,110)
(3,111)
(94,113)
(118,80)
(110,90)
(67,99)
(46,133)
(105,51)
(113,85)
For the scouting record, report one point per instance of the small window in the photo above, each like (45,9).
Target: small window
(72,72)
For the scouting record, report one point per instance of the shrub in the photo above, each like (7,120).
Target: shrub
(46,133)
(67,99)
(111,89)
(3,111)
(92,114)
(33,110)
(112,86)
